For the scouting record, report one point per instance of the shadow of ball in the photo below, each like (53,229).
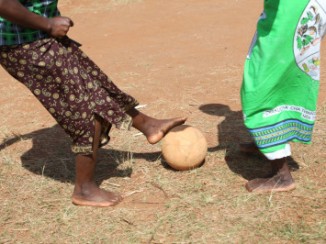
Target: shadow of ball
(184,148)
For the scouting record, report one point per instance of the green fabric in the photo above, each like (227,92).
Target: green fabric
(12,34)
(281,75)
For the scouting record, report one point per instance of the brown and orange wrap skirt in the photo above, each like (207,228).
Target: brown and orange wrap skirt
(70,86)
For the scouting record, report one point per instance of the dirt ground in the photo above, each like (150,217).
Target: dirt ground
(181,57)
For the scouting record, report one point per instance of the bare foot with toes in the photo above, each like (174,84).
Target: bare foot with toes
(93,196)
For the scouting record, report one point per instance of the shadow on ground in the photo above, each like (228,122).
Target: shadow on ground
(51,156)
(232,132)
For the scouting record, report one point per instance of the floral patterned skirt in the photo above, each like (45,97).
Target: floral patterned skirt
(71,87)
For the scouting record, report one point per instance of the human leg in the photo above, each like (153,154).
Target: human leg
(114,103)
(281,180)
(153,129)
(86,191)
(278,72)
(75,90)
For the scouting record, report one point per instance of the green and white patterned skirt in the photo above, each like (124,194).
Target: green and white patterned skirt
(281,75)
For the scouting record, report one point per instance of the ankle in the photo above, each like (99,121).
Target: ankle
(284,174)
(85,187)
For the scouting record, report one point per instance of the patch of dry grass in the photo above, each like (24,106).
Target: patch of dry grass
(205,205)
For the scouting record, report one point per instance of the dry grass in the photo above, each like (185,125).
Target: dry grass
(206,205)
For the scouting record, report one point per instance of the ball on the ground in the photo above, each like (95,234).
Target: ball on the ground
(184,147)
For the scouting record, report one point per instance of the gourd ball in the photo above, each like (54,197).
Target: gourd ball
(184,147)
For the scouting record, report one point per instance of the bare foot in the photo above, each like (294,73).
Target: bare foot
(155,129)
(249,148)
(91,195)
(278,182)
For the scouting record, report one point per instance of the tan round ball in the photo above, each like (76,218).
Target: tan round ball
(184,147)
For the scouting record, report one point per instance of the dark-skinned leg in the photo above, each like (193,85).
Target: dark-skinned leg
(86,191)
(281,181)
(153,129)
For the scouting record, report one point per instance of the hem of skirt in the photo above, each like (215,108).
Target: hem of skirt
(126,123)
(131,105)
(282,153)
(86,150)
